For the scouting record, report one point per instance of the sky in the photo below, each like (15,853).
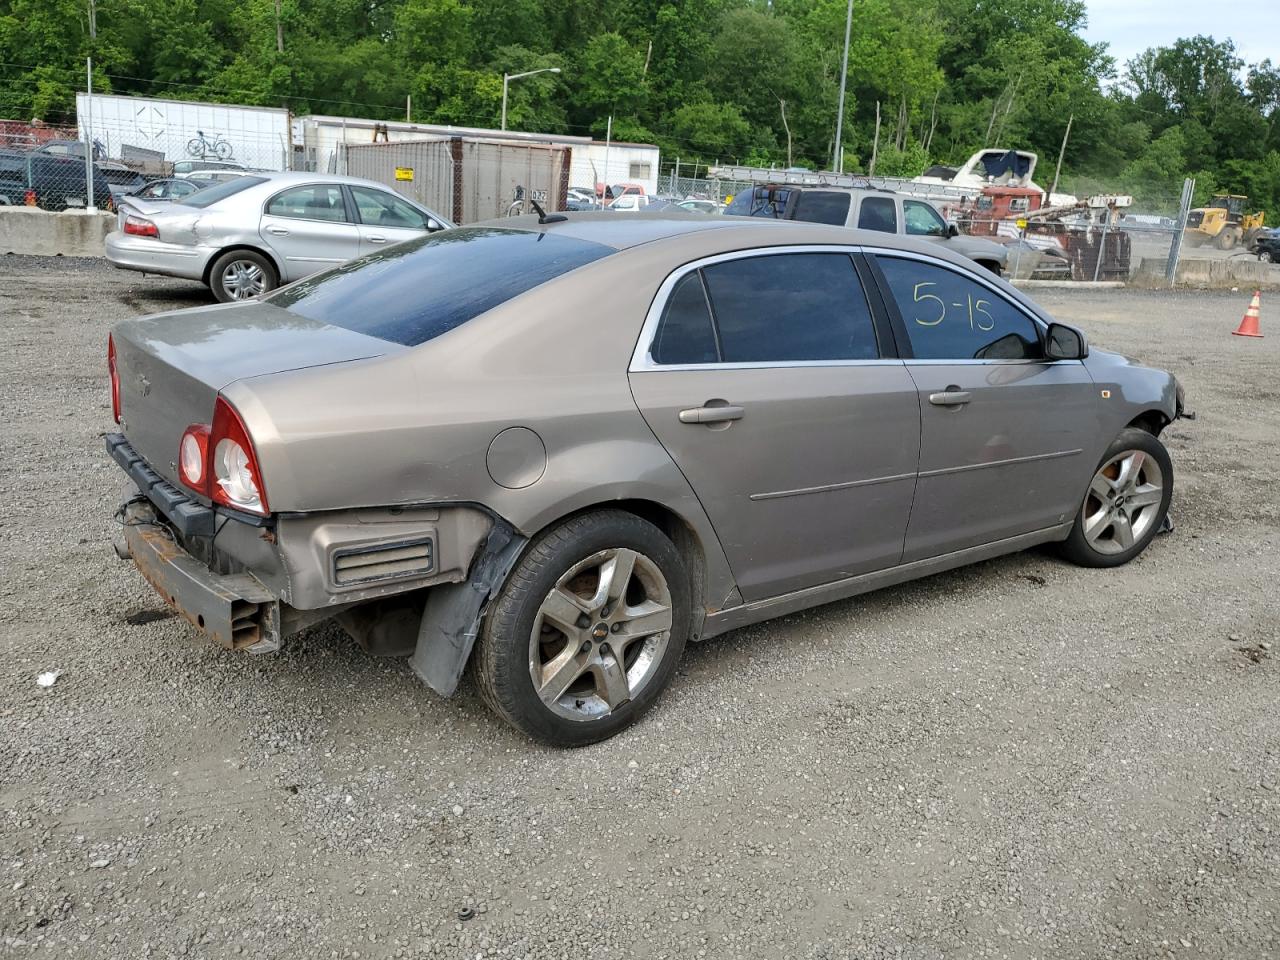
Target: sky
(1130,26)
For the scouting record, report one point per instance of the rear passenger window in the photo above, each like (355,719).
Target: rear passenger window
(823,206)
(314,202)
(794,306)
(877,213)
(685,334)
(950,317)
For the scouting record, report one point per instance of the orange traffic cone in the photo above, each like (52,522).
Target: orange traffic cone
(1249,325)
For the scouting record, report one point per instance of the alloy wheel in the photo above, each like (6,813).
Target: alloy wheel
(1123,502)
(600,634)
(243,279)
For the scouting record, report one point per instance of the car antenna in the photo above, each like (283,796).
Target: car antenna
(544,217)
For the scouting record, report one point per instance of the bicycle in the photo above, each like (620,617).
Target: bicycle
(201,147)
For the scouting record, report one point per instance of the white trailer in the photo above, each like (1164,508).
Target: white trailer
(255,137)
(626,163)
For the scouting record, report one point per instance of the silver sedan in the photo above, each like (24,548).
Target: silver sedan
(250,234)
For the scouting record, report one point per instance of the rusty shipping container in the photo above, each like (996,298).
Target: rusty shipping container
(463,178)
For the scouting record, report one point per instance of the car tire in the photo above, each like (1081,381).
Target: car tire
(241,274)
(1265,256)
(613,574)
(992,266)
(1125,504)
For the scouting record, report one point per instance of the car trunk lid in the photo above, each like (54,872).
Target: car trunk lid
(172,366)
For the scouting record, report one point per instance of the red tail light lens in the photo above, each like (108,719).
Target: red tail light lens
(30,198)
(138,227)
(220,462)
(234,477)
(193,458)
(115,377)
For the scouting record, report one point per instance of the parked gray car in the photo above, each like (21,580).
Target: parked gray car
(578,444)
(248,235)
(867,209)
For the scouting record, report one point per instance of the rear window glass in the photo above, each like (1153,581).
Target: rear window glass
(419,289)
(760,202)
(211,195)
(823,206)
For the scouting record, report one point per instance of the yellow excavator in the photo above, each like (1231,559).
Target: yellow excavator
(1223,223)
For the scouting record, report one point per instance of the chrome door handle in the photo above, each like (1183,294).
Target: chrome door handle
(376,239)
(278,231)
(950,398)
(715,414)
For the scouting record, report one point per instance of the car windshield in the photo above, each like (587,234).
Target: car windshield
(211,195)
(419,289)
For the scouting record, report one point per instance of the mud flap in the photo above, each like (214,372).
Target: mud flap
(451,620)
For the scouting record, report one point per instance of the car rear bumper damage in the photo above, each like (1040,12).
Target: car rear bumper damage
(248,583)
(236,611)
(148,255)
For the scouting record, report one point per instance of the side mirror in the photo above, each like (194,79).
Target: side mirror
(952,231)
(433,225)
(1065,343)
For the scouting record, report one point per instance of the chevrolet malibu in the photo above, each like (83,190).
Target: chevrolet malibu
(555,451)
(249,234)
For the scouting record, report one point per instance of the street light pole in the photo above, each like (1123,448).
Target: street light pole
(508,77)
(844,76)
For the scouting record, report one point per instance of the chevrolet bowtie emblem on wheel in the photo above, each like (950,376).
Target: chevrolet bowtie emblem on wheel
(144,385)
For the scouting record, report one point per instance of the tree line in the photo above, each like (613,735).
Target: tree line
(729,80)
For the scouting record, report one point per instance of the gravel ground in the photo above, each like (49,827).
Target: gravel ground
(1020,759)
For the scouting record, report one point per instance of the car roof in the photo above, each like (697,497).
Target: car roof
(625,230)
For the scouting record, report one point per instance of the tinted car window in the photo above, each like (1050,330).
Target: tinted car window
(685,334)
(794,306)
(211,195)
(424,287)
(877,213)
(950,317)
(381,209)
(921,220)
(316,201)
(823,206)
(756,202)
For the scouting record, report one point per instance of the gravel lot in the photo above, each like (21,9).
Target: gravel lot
(1019,759)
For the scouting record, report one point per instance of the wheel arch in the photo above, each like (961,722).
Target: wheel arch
(1153,421)
(230,248)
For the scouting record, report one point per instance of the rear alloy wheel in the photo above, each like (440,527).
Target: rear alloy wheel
(587,630)
(1266,256)
(1126,502)
(240,275)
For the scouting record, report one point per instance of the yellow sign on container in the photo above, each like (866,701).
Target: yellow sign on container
(404,173)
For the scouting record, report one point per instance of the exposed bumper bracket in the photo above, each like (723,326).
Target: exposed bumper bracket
(235,611)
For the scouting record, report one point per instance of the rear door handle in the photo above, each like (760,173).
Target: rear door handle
(278,231)
(950,397)
(376,239)
(718,414)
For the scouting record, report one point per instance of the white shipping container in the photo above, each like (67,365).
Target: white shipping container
(255,137)
(627,163)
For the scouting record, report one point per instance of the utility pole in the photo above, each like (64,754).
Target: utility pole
(408,108)
(88,136)
(608,140)
(844,77)
(782,105)
(1061,151)
(875,146)
(279,30)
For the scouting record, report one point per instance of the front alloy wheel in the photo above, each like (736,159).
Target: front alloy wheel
(1125,503)
(586,631)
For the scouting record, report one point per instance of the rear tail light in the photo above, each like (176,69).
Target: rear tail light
(138,227)
(30,198)
(115,377)
(221,463)
(193,457)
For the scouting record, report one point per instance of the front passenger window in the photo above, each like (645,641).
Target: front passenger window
(951,317)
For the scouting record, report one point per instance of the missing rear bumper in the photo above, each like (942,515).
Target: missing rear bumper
(236,611)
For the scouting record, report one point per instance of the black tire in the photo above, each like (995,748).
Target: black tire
(992,265)
(1266,256)
(1077,547)
(1226,238)
(502,658)
(217,273)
